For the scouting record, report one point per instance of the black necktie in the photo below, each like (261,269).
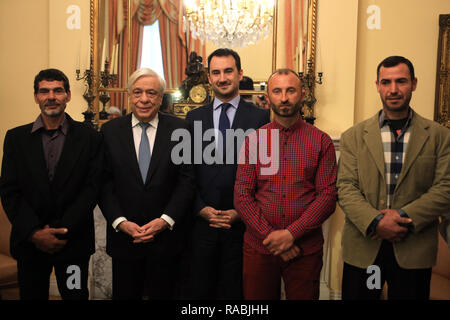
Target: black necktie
(224,124)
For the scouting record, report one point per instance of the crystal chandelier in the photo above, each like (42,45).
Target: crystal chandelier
(229,23)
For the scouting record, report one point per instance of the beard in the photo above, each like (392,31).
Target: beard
(53,113)
(400,108)
(286,113)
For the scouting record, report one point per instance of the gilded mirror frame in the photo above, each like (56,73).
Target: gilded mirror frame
(442,98)
(95,54)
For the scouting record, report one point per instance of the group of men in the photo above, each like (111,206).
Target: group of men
(245,209)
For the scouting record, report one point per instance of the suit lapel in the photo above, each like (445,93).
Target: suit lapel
(36,163)
(372,139)
(72,148)
(240,116)
(161,145)
(207,124)
(419,135)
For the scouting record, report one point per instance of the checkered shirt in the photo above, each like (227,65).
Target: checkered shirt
(394,149)
(299,197)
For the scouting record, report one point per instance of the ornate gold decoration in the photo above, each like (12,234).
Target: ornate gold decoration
(442,101)
(198,94)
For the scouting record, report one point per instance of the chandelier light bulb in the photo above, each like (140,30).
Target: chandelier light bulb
(229,23)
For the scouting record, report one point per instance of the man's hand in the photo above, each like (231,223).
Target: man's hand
(46,240)
(389,229)
(224,219)
(217,218)
(151,229)
(279,241)
(290,254)
(131,228)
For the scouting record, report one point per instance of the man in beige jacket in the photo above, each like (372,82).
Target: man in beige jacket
(393,184)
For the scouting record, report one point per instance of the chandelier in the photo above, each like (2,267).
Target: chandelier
(229,23)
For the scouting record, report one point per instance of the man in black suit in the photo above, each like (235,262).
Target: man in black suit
(49,184)
(216,269)
(146,196)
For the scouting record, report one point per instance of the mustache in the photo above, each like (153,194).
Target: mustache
(51,103)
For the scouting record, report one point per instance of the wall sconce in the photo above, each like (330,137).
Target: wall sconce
(308,81)
(106,79)
(88,95)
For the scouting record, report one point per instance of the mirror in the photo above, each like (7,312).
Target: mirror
(116,49)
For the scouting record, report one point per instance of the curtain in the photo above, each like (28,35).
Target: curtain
(175,43)
(295,30)
(118,38)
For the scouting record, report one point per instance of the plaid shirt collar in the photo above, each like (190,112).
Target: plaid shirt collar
(382,119)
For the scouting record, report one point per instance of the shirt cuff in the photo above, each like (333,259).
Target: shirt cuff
(402,213)
(169,220)
(371,230)
(116,223)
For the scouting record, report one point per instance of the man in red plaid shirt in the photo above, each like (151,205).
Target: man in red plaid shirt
(283,202)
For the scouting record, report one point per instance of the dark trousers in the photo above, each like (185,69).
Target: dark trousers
(149,277)
(263,272)
(71,277)
(411,284)
(216,263)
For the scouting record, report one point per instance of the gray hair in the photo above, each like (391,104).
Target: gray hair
(145,72)
(114,110)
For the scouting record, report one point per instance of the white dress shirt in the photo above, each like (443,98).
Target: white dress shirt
(151,134)
(231,112)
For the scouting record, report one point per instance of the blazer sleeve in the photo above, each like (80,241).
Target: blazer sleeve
(183,193)
(199,204)
(22,216)
(436,201)
(350,196)
(108,203)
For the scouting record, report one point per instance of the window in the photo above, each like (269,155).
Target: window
(151,56)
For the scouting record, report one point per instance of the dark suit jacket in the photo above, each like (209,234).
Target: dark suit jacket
(169,188)
(31,201)
(215,183)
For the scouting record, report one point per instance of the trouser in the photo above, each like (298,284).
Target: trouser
(71,278)
(262,276)
(216,264)
(361,284)
(150,277)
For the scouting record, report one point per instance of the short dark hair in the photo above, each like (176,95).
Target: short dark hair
(246,83)
(51,75)
(393,61)
(225,52)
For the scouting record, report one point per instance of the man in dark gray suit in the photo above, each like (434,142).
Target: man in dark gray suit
(216,268)
(146,196)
